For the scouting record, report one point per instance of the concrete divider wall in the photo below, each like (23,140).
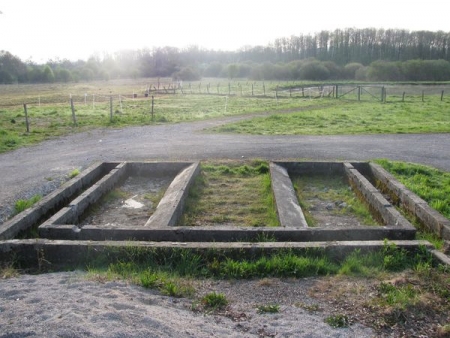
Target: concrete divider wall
(412,203)
(54,201)
(171,206)
(385,210)
(227,234)
(53,255)
(156,169)
(289,212)
(313,168)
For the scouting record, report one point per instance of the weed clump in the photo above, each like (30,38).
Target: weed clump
(214,301)
(23,204)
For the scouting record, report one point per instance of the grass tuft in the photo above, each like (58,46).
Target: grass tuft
(24,204)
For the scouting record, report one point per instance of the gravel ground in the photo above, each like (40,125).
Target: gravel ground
(69,305)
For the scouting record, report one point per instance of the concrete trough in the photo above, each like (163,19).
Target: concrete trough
(54,201)
(161,225)
(167,213)
(64,242)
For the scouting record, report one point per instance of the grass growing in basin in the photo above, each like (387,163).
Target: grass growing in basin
(333,191)
(231,193)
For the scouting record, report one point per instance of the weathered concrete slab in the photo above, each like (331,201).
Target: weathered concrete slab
(227,234)
(290,213)
(35,252)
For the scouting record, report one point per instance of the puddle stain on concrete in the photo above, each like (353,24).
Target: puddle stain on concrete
(137,201)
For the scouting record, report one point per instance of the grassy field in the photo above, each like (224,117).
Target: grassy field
(352,117)
(50,114)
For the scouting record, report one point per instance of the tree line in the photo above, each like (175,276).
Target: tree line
(354,54)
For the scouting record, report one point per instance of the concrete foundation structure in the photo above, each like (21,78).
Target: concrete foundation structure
(57,215)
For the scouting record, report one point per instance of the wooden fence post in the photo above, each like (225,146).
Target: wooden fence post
(359,93)
(26,117)
(153,104)
(442,96)
(423,95)
(74,118)
(337,91)
(264,89)
(252,89)
(403,97)
(110,109)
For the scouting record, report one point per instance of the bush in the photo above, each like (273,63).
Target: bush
(187,74)
(314,71)
(384,71)
(5,77)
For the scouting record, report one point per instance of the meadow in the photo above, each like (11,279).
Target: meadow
(295,108)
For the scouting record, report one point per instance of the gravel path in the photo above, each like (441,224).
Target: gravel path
(67,305)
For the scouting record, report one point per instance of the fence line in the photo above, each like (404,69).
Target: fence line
(244,90)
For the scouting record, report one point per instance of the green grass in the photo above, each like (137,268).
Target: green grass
(163,268)
(431,184)
(24,204)
(331,190)
(231,193)
(53,116)
(350,117)
(337,321)
(214,301)
(270,308)
(74,173)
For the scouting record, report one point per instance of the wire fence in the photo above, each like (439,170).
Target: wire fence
(176,101)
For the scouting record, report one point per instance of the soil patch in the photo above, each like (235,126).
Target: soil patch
(330,202)
(130,204)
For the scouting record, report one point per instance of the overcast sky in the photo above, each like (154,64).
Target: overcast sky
(50,29)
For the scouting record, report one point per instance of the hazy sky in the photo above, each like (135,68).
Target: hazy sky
(45,29)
